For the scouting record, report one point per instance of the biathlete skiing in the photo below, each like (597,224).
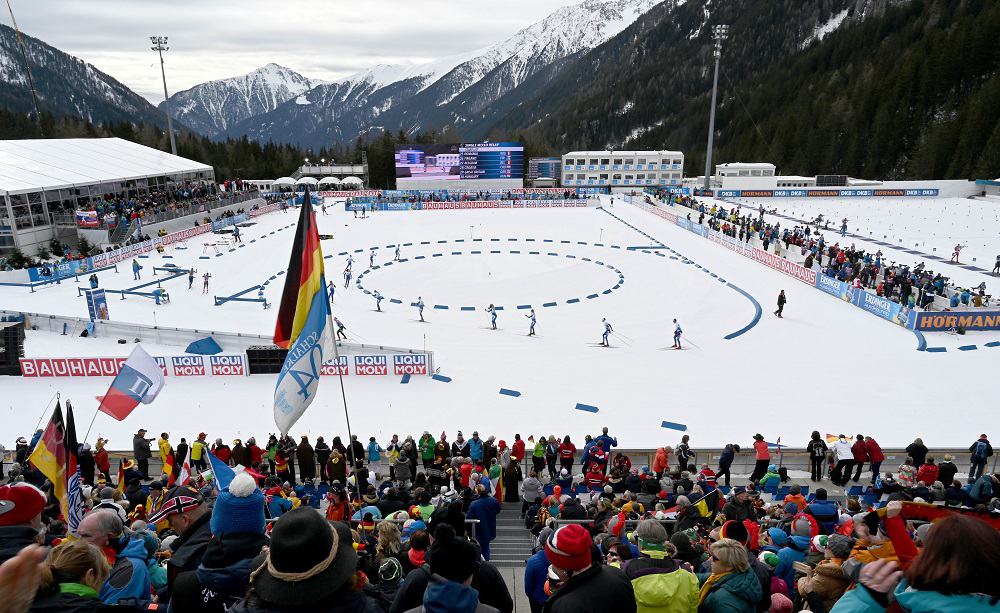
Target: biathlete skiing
(378,301)
(607,332)
(677,335)
(341,334)
(493,315)
(531,317)
(420,307)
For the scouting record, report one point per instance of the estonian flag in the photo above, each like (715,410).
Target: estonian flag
(304,324)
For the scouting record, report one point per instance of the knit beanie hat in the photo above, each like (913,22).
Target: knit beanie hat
(778,536)
(239,508)
(20,503)
(390,571)
(735,530)
(840,546)
(568,548)
(801,526)
(770,559)
(452,557)
(819,543)
(651,534)
(780,604)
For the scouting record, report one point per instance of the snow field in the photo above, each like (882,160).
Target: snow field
(826,365)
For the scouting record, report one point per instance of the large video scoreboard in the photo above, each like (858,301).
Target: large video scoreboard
(457,162)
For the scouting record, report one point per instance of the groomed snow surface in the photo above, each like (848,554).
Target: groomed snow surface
(826,365)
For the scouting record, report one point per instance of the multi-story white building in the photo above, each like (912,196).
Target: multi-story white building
(622,169)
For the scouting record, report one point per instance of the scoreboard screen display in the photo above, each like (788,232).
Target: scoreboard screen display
(458,162)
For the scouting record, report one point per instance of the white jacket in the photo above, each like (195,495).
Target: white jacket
(842,450)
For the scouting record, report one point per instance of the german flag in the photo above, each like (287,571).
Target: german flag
(51,457)
(708,505)
(304,324)
(304,279)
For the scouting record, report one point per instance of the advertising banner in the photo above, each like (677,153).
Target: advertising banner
(188,365)
(781,264)
(883,307)
(356,193)
(337,366)
(76,367)
(97,304)
(227,365)
(409,364)
(731,243)
(87,219)
(225,222)
(970,320)
(834,287)
(370,365)
(60,270)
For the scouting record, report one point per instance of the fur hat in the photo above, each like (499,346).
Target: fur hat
(568,548)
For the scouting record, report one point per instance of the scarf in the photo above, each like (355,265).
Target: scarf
(709,584)
(79,589)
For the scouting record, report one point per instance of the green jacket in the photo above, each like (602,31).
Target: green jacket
(539,451)
(915,601)
(734,593)
(662,586)
(426,445)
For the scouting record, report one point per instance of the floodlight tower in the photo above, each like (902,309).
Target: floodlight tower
(160,45)
(719,34)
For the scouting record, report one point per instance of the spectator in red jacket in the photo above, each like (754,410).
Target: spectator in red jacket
(875,456)
(763,457)
(928,473)
(860,456)
(517,449)
(566,451)
(595,478)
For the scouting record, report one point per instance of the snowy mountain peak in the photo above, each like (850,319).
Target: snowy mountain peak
(211,107)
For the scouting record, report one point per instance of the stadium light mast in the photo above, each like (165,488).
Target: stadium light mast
(160,45)
(719,34)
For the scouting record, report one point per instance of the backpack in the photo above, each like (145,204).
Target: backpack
(979,451)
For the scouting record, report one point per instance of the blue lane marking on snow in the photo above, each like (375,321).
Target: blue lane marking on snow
(551,253)
(517,252)
(571,256)
(204,257)
(936,349)
(992,344)
(456,253)
(549,304)
(498,308)
(342,253)
(524,306)
(507,392)
(572,301)
(921,340)
(476,252)
(395,301)
(673,426)
(494,240)
(443,307)
(753,322)
(325,257)
(534,253)
(591,296)
(468,308)
(404,244)
(425,242)
(441,378)
(586,407)
(547,240)
(495,251)
(436,255)
(967,348)
(405,379)
(420,257)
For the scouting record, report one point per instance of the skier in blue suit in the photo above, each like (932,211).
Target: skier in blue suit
(607,332)
(531,316)
(420,307)
(493,315)
(378,301)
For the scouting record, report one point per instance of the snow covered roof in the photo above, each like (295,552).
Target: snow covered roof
(284,181)
(40,164)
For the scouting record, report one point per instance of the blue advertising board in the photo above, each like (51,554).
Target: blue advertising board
(97,304)
(225,222)
(60,270)
(883,307)
(832,286)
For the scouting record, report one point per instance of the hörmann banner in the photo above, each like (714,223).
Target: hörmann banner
(970,320)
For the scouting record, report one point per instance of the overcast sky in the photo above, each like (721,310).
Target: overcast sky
(213,39)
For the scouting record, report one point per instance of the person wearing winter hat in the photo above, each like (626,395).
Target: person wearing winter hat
(780,604)
(828,582)
(188,515)
(584,587)
(453,564)
(795,549)
(658,580)
(21,506)
(221,580)
(732,585)
(739,532)
(390,577)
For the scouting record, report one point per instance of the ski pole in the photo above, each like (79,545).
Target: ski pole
(689,341)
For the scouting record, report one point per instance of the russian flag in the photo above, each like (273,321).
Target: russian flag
(139,381)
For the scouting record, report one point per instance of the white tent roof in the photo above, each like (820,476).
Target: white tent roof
(352,180)
(329,181)
(284,181)
(40,164)
(307,181)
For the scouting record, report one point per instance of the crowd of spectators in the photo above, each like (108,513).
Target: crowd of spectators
(910,286)
(406,525)
(466,196)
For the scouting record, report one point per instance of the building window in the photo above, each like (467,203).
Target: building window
(618,161)
(605,161)
(641,161)
(755,173)
(593,162)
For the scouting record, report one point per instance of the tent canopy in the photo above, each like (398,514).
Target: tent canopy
(329,181)
(352,181)
(307,181)
(28,166)
(284,181)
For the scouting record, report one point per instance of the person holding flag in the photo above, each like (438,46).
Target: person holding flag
(139,381)
(305,323)
(55,456)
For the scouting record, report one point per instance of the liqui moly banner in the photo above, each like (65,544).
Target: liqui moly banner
(409,364)
(177,366)
(336,366)
(367,365)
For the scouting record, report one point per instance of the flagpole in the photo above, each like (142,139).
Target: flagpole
(86,436)
(45,411)
(343,395)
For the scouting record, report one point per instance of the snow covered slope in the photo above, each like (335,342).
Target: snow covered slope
(210,108)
